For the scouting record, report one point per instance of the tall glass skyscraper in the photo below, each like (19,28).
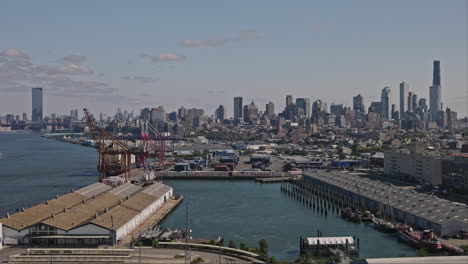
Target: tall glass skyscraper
(404,90)
(386,102)
(304,104)
(37,116)
(435,92)
(237,108)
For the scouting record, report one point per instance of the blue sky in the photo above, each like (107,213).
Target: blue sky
(135,54)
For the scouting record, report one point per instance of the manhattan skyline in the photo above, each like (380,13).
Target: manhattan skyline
(115,54)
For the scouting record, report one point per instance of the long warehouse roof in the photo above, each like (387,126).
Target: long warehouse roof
(428,207)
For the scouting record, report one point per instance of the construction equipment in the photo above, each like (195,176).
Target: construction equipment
(115,157)
(154,145)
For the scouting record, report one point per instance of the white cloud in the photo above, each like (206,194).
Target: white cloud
(143,79)
(74,59)
(165,57)
(14,53)
(72,69)
(221,41)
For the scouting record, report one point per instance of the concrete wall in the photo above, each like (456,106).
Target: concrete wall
(13,237)
(142,216)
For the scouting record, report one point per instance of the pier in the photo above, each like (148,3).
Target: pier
(327,191)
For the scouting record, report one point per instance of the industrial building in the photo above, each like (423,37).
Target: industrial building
(94,215)
(404,205)
(415,164)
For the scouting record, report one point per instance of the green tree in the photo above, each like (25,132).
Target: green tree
(272,259)
(155,243)
(197,153)
(263,249)
(232,244)
(422,252)
(242,246)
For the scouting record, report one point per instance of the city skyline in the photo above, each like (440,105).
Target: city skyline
(208,64)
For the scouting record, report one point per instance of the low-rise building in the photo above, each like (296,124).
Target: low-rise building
(455,173)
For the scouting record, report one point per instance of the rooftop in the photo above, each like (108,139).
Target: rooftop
(428,207)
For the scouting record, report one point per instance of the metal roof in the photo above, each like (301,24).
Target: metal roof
(330,240)
(39,212)
(93,189)
(428,207)
(125,189)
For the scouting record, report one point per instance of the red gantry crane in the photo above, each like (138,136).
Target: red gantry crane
(115,157)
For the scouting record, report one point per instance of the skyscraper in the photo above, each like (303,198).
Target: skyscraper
(270,110)
(436,73)
(435,92)
(289,100)
(237,108)
(358,103)
(220,114)
(409,102)
(404,90)
(434,101)
(386,100)
(304,104)
(37,115)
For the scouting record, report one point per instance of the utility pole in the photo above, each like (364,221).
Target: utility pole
(188,253)
(139,239)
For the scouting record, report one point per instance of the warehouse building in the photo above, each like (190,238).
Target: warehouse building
(405,205)
(94,215)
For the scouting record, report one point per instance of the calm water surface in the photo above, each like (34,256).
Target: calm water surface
(33,169)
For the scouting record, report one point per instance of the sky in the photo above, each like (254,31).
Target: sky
(108,54)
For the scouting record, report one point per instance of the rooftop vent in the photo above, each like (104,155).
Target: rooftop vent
(53,215)
(120,201)
(65,210)
(22,209)
(94,196)
(83,201)
(7,215)
(46,202)
(106,209)
(56,196)
(72,190)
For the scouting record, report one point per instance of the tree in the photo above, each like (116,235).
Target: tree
(242,246)
(422,252)
(272,259)
(197,153)
(263,249)
(232,244)
(206,152)
(155,243)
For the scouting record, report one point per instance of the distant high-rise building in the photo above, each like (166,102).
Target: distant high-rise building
(37,104)
(336,109)
(435,104)
(304,104)
(220,114)
(245,113)
(422,104)
(237,108)
(25,116)
(409,102)
(404,90)
(415,102)
(358,103)
(158,114)
(434,100)
(253,112)
(289,100)
(270,110)
(386,100)
(436,73)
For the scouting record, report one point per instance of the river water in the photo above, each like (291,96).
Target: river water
(33,169)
